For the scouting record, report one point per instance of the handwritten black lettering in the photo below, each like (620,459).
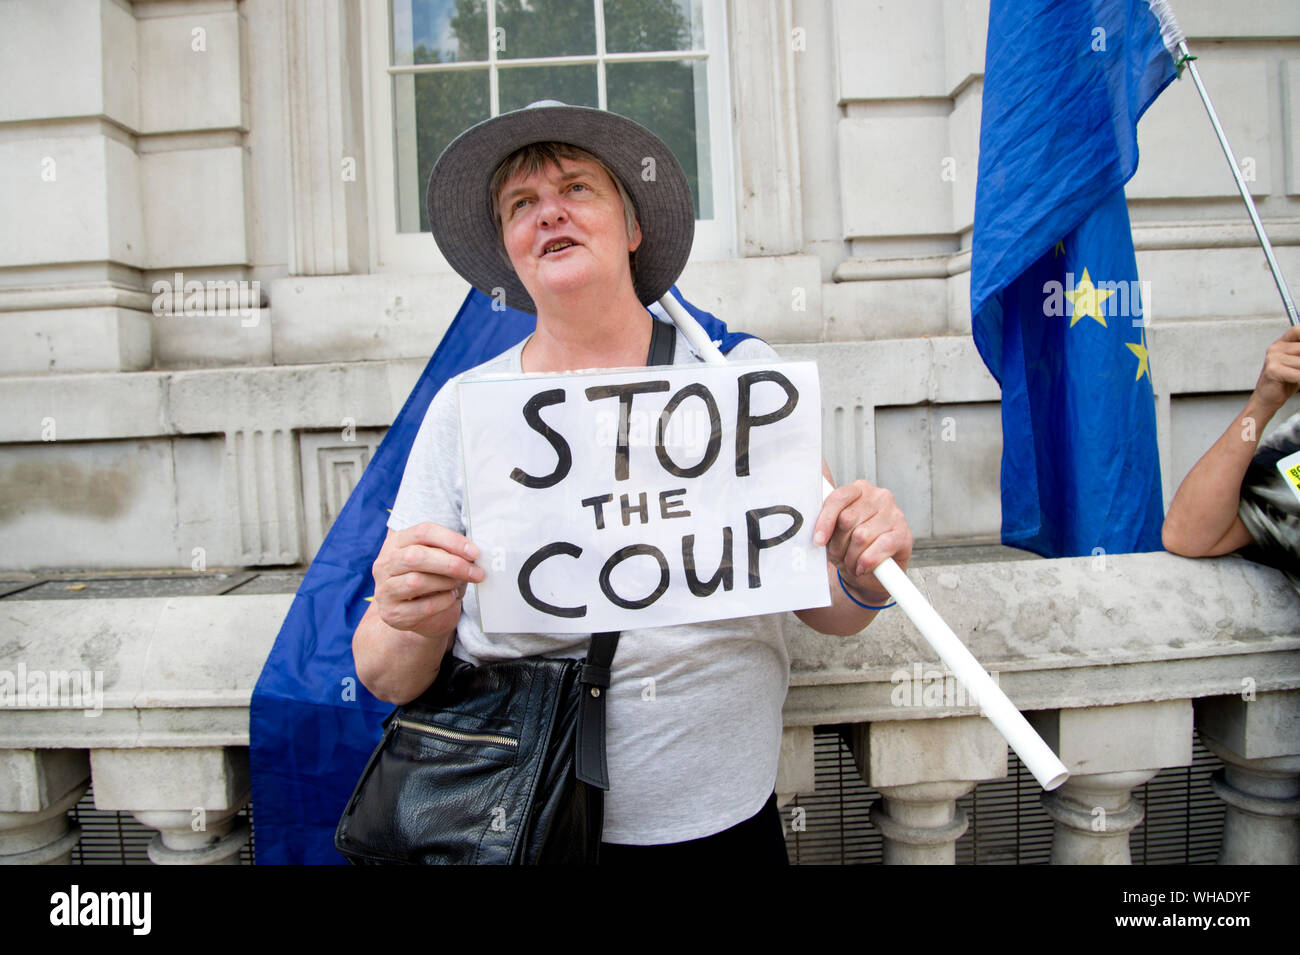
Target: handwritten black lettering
(595,503)
(715,432)
(667,503)
(625,393)
(563,455)
(629,509)
(759,543)
(722,575)
(526,582)
(622,554)
(745,422)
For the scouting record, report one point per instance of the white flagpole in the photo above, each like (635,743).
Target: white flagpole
(1174,39)
(1002,713)
(1285,292)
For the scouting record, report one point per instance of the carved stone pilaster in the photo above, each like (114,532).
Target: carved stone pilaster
(763,105)
(323,83)
(332,464)
(262,471)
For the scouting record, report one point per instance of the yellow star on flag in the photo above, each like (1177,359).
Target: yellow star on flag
(1086,299)
(1059,248)
(1140,349)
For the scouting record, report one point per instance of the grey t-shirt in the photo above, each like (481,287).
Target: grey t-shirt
(694,712)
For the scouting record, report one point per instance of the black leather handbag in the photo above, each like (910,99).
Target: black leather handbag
(499,764)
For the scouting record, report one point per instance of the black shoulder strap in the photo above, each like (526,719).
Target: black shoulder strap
(593,677)
(663,343)
(589,760)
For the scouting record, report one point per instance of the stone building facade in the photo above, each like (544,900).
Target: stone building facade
(249,147)
(215,296)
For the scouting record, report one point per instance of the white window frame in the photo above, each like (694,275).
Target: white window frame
(395,251)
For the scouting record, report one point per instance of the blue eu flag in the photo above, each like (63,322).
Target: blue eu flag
(312,726)
(1055,298)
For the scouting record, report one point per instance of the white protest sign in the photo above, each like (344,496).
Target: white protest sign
(644,497)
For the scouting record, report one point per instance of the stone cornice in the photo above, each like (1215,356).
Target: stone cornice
(1147,237)
(117,405)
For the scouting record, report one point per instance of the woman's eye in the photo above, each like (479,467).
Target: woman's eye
(577,186)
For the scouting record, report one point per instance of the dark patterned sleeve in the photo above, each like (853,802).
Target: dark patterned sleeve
(1269,508)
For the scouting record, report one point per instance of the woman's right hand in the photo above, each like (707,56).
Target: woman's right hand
(420,577)
(1281,374)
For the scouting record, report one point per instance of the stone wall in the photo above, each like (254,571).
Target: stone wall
(152,144)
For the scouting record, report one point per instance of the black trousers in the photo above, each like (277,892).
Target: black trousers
(759,840)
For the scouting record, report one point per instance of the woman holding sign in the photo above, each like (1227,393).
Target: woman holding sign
(549,209)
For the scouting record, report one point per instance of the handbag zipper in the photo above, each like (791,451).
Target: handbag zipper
(456,735)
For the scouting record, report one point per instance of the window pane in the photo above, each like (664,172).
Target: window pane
(575,85)
(432,109)
(545,28)
(439,31)
(635,26)
(671,100)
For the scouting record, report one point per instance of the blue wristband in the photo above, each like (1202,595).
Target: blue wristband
(844,588)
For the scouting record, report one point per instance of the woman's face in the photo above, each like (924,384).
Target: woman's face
(564,229)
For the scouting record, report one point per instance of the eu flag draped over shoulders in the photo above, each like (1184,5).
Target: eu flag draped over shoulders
(1055,298)
(312,725)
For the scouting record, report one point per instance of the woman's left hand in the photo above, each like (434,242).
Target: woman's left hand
(861,525)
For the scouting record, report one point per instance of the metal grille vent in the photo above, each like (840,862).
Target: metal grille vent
(1008,825)
(117,838)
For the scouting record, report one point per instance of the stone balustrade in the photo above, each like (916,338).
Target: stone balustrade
(1117,660)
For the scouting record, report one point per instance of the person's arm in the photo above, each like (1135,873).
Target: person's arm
(861,525)
(1202,519)
(420,578)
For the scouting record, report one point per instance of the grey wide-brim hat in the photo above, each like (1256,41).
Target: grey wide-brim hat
(463,219)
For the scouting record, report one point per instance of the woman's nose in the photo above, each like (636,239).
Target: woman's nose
(551,211)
